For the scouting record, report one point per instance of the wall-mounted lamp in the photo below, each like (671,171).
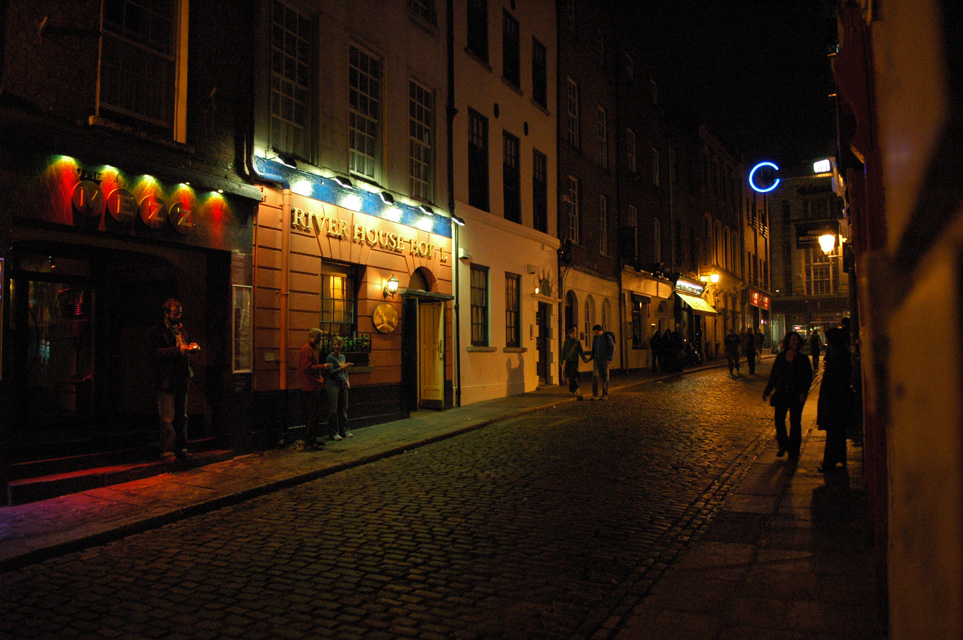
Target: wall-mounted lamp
(425,209)
(712,278)
(827,242)
(387,198)
(459,221)
(391,287)
(344,182)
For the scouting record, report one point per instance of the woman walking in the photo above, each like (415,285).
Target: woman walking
(789,382)
(571,353)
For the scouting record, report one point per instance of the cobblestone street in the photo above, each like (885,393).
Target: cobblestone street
(549,525)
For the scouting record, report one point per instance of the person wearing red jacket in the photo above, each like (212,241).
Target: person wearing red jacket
(311,375)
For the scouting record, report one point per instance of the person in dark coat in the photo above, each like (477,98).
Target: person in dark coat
(169,349)
(572,352)
(732,342)
(749,346)
(835,412)
(655,344)
(789,382)
(603,350)
(815,347)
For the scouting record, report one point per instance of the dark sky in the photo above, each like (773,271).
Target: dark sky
(757,71)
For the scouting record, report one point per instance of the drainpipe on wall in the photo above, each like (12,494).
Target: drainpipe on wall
(285,289)
(451,112)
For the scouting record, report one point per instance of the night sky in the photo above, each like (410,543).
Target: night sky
(756,71)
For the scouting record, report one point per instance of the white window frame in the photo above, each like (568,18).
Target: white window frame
(364,118)
(421,147)
(573,205)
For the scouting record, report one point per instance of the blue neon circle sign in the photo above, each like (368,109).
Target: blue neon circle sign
(752,174)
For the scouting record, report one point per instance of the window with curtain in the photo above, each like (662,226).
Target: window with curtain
(338,302)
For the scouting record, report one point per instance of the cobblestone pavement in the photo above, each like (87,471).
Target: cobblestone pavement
(550,525)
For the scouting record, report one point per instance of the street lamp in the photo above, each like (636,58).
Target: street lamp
(827,242)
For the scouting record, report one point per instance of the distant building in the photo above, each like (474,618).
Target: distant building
(810,287)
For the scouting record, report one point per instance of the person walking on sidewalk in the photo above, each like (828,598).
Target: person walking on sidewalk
(749,346)
(338,385)
(311,374)
(836,409)
(169,349)
(572,353)
(655,346)
(732,342)
(815,346)
(603,350)
(789,382)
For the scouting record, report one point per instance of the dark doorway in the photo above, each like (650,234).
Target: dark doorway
(542,341)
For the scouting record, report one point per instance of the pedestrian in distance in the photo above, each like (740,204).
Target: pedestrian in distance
(572,354)
(749,346)
(603,350)
(815,347)
(170,351)
(760,341)
(311,374)
(655,345)
(836,409)
(732,342)
(337,386)
(789,383)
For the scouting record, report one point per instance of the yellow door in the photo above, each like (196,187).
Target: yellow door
(431,354)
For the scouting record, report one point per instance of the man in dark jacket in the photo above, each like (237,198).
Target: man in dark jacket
(603,350)
(169,349)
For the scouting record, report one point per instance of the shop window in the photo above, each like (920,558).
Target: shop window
(338,300)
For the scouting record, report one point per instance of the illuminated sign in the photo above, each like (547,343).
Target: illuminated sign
(687,286)
(763,166)
(754,298)
(332,227)
(822,166)
(764,302)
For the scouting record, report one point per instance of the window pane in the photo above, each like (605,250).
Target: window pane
(513,284)
(364,121)
(479,306)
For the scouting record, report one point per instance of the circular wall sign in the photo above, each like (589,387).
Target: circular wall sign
(763,165)
(385,318)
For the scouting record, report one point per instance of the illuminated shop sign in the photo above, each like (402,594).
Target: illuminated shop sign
(353,198)
(334,227)
(689,287)
(108,190)
(762,177)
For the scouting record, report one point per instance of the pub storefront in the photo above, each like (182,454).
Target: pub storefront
(90,253)
(341,256)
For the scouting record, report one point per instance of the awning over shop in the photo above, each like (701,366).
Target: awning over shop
(698,305)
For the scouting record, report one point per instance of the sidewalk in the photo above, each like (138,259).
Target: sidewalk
(804,566)
(787,557)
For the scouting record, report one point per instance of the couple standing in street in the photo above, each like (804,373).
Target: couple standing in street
(331,378)
(603,350)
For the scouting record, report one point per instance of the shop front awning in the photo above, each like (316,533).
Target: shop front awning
(698,305)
